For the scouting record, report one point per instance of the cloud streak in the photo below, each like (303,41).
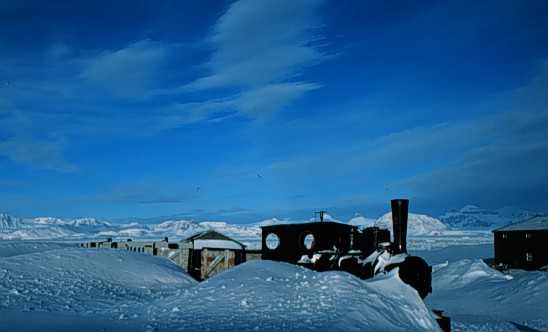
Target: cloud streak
(261,49)
(493,160)
(257,43)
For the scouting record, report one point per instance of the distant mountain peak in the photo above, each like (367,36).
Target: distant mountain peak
(474,217)
(418,224)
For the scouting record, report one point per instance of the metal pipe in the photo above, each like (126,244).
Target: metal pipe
(400,208)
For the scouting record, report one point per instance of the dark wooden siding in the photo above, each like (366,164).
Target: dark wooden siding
(522,249)
(291,239)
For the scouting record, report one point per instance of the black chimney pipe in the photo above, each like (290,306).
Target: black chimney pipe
(400,208)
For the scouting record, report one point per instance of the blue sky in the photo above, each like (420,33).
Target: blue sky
(250,109)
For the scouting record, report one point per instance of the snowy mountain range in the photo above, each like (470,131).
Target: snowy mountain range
(418,224)
(472,217)
(468,218)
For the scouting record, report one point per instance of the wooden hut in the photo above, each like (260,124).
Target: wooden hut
(207,253)
(523,245)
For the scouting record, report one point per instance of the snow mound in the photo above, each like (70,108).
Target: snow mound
(418,224)
(86,281)
(274,296)
(475,295)
(15,248)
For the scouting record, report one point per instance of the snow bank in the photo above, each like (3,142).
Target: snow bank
(86,281)
(15,248)
(471,290)
(274,296)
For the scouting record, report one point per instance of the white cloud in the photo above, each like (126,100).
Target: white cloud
(271,97)
(129,71)
(261,48)
(261,42)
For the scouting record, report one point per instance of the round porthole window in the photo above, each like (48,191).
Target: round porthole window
(308,241)
(272,241)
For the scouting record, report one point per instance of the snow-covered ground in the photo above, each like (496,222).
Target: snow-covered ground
(479,298)
(110,290)
(48,287)
(14,248)
(273,296)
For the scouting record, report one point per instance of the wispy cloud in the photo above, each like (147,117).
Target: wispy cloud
(492,159)
(257,43)
(260,48)
(129,71)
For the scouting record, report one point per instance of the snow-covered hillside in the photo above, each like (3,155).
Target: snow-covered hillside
(473,217)
(418,224)
(424,232)
(361,221)
(9,223)
(12,228)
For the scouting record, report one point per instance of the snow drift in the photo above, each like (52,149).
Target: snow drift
(477,296)
(88,290)
(274,296)
(86,281)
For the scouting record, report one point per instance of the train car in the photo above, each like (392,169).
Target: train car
(325,246)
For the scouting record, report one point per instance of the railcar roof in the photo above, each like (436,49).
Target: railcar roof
(310,224)
(536,223)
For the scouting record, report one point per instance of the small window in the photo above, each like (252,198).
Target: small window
(504,236)
(272,241)
(528,235)
(529,256)
(308,241)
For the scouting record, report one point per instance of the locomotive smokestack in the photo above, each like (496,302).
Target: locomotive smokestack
(400,208)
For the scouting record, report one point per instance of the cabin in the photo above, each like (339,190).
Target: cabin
(207,253)
(522,245)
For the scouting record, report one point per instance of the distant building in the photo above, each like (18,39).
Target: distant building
(523,245)
(202,255)
(207,253)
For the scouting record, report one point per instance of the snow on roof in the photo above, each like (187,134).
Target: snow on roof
(532,224)
(217,244)
(213,235)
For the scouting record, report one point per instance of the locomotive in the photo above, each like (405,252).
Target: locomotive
(327,246)
(324,246)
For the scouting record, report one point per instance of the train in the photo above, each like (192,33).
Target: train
(333,246)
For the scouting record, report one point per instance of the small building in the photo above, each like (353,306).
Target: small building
(522,245)
(207,253)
